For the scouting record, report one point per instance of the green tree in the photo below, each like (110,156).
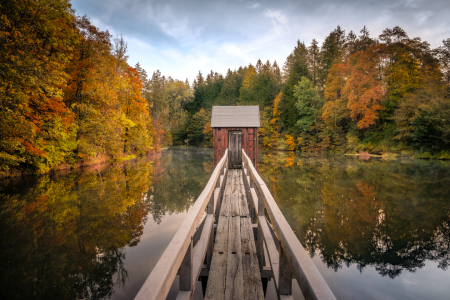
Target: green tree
(423,119)
(313,57)
(308,105)
(195,127)
(295,67)
(229,93)
(331,52)
(178,95)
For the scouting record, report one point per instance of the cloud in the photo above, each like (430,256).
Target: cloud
(276,15)
(422,17)
(278,19)
(182,37)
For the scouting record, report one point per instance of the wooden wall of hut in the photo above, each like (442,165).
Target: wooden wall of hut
(249,142)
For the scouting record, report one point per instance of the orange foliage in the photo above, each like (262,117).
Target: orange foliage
(290,142)
(290,160)
(207,130)
(334,108)
(355,86)
(363,88)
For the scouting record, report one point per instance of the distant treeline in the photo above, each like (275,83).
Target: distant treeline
(68,95)
(352,93)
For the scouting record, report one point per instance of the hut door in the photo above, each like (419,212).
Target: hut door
(235,149)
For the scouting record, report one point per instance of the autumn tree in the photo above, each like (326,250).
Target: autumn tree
(135,121)
(62,87)
(363,89)
(271,127)
(334,110)
(248,93)
(35,43)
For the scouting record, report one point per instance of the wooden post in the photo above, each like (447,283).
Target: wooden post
(211,204)
(285,277)
(209,249)
(259,232)
(186,270)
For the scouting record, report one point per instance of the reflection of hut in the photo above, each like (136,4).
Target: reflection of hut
(236,128)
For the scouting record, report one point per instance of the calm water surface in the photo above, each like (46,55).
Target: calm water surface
(376,229)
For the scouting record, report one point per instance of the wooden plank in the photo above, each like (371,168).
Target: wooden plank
(222,190)
(251,274)
(234,280)
(218,268)
(244,209)
(158,283)
(252,287)
(235,187)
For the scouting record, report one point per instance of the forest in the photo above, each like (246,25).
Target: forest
(69,97)
(389,94)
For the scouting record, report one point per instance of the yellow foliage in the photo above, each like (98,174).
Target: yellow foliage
(290,142)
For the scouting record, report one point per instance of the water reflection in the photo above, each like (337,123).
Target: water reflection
(179,179)
(392,215)
(65,236)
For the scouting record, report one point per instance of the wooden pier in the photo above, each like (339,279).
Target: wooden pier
(221,242)
(234,271)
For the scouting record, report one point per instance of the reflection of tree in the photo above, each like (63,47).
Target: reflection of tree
(62,236)
(176,185)
(392,215)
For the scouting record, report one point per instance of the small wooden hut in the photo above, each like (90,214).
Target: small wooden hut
(236,128)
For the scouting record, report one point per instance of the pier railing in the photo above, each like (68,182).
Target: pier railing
(287,257)
(193,241)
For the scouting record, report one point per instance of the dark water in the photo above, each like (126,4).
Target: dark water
(376,229)
(97,233)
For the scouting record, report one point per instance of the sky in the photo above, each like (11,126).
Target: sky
(181,38)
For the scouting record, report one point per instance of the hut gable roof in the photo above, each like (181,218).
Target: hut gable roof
(235,116)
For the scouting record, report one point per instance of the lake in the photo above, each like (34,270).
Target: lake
(375,229)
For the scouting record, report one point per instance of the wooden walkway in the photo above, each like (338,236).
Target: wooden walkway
(234,271)
(232,262)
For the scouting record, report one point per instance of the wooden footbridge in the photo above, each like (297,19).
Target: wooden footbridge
(227,242)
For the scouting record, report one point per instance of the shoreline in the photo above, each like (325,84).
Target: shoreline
(101,160)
